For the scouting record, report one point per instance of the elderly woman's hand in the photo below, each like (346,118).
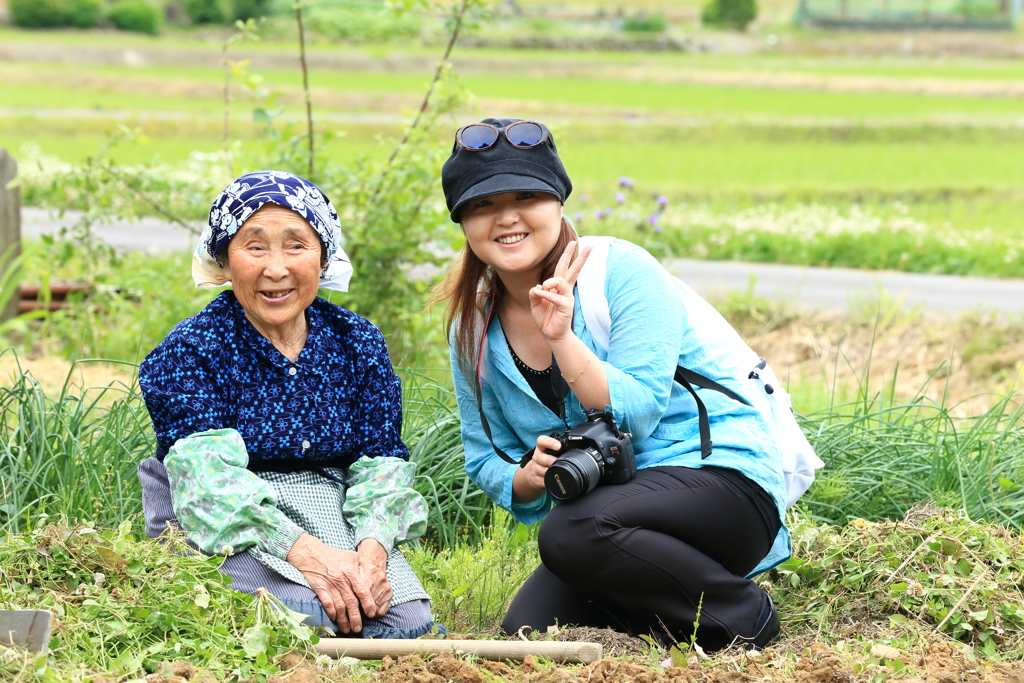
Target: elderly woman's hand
(337,579)
(373,564)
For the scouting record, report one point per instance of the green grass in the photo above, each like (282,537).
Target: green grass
(191,89)
(777,168)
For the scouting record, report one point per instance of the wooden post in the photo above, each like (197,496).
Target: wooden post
(10,225)
(515,650)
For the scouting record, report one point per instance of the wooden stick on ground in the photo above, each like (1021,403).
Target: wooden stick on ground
(574,653)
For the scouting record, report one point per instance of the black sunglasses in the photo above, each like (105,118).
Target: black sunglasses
(522,134)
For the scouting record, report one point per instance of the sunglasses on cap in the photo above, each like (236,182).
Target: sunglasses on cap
(522,134)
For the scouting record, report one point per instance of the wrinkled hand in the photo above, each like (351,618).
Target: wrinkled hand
(551,302)
(337,579)
(373,565)
(528,483)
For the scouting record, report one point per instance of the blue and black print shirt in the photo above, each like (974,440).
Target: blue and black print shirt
(338,401)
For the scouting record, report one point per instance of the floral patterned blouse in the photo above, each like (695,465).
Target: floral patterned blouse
(340,400)
(228,406)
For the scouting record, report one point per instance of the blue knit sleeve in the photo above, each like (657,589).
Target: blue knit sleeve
(183,390)
(378,425)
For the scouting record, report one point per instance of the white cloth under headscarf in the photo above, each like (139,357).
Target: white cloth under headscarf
(244,197)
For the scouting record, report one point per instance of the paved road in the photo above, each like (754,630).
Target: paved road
(838,288)
(147,234)
(833,288)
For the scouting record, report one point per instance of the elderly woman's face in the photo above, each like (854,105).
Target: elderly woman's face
(274,266)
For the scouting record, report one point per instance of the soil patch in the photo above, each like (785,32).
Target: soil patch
(970,362)
(55,373)
(933,662)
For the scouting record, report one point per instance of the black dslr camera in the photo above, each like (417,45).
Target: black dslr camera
(594,452)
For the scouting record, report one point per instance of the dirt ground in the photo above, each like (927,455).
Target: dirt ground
(968,362)
(54,373)
(934,662)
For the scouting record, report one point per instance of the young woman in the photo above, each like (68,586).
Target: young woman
(673,546)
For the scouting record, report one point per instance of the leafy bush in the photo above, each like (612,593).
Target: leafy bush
(84,13)
(135,15)
(39,13)
(734,14)
(642,22)
(205,11)
(363,24)
(250,9)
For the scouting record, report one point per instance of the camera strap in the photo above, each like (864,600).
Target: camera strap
(689,378)
(559,386)
(561,389)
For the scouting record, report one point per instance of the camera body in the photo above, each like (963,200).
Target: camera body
(593,452)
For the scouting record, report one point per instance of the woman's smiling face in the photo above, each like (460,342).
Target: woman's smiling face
(274,267)
(512,232)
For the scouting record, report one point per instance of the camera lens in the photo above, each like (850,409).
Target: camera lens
(575,473)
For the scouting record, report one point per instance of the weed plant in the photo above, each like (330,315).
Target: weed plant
(72,455)
(458,509)
(933,569)
(129,607)
(883,456)
(472,581)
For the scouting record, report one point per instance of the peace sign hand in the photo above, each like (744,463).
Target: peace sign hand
(551,302)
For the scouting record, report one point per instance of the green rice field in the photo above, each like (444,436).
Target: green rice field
(944,135)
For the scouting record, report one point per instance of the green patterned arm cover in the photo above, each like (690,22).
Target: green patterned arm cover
(382,504)
(222,506)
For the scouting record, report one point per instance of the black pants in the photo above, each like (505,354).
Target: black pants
(645,556)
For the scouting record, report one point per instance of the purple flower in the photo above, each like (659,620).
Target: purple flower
(583,197)
(599,214)
(626,182)
(657,229)
(577,217)
(619,197)
(608,212)
(652,219)
(662,200)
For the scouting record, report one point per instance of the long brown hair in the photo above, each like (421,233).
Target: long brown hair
(468,287)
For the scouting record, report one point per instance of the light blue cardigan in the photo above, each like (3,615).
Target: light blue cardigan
(651,333)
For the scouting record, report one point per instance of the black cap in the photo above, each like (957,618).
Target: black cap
(469,174)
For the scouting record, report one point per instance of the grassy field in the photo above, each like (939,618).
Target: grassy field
(934,141)
(883,162)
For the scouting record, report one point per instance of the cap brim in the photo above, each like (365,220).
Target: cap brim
(504,182)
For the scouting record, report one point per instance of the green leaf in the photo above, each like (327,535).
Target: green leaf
(255,639)
(202,596)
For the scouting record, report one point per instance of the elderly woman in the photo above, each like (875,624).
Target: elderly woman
(278,419)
